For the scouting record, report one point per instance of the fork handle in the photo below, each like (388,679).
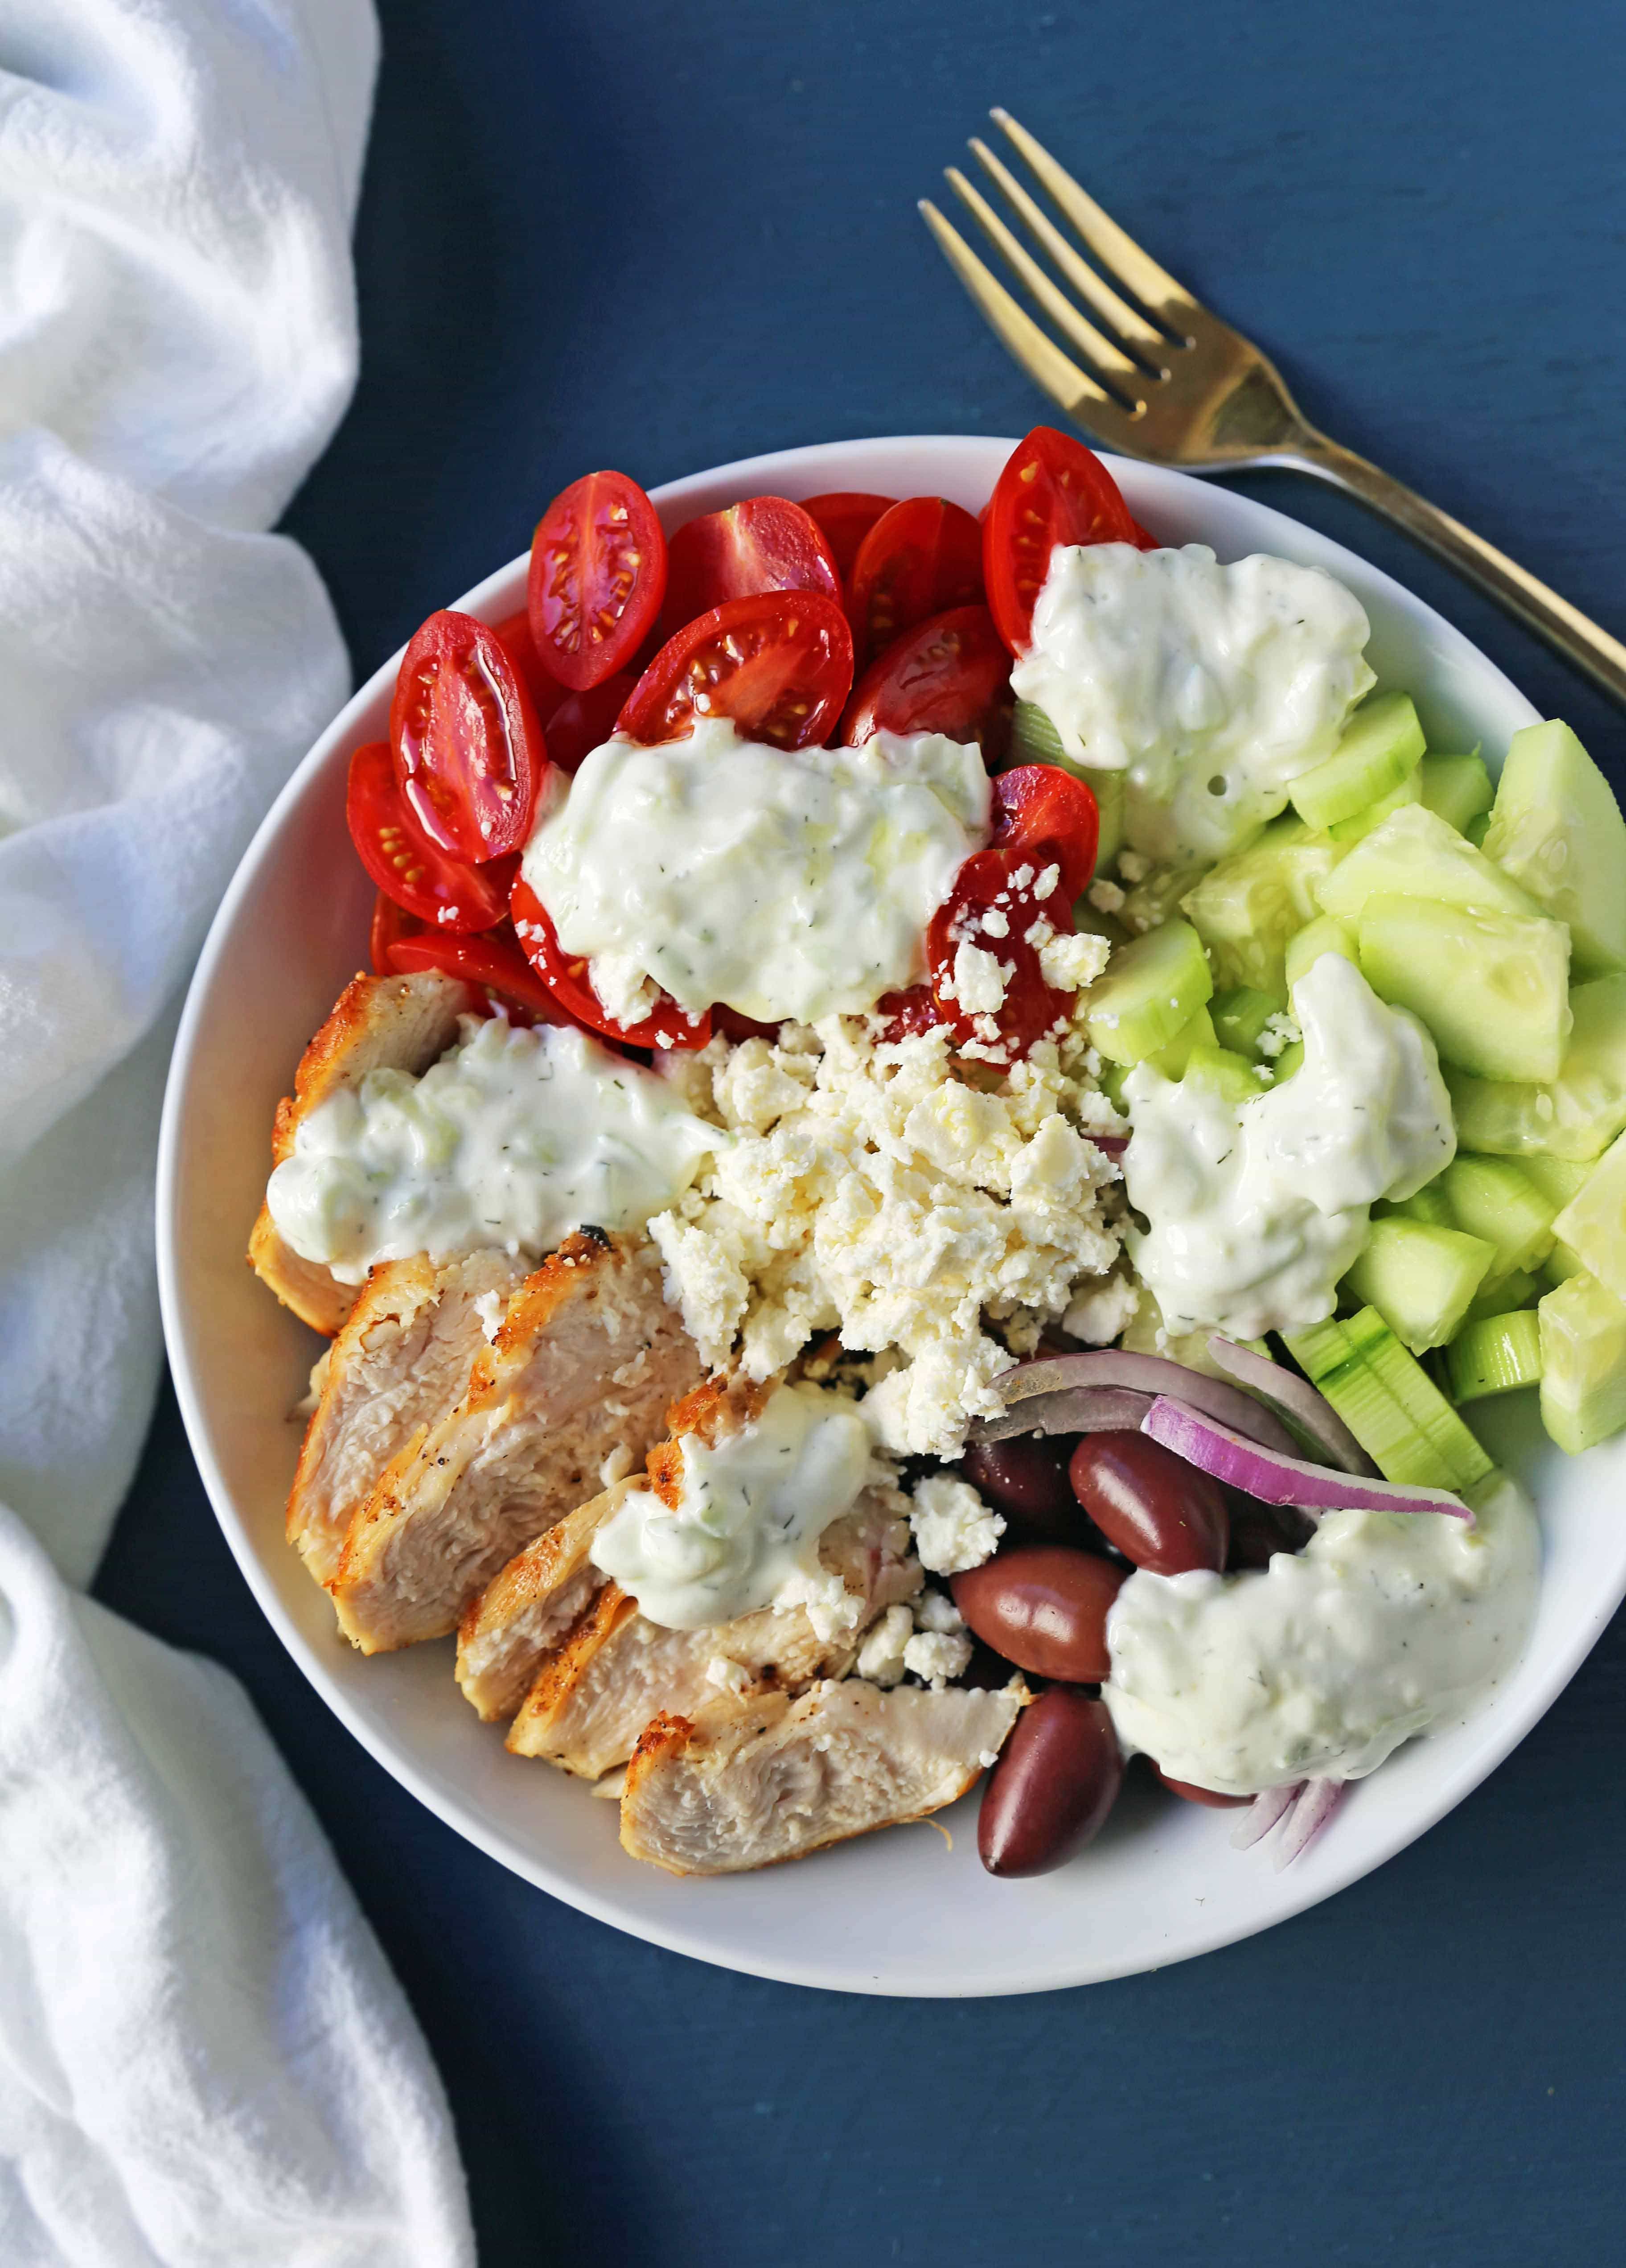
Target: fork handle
(1564,627)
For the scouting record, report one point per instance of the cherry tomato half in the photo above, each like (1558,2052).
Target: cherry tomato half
(764,544)
(1052,490)
(446,893)
(392,925)
(780,665)
(514,633)
(566,978)
(1042,813)
(920,557)
(846,516)
(492,959)
(945,675)
(468,750)
(584,721)
(597,577)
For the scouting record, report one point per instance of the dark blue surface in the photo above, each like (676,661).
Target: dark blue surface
(664,235)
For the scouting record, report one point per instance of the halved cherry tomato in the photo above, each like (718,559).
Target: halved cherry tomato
(584,721)
(492,960)
(945,675)
(514,632)
(566,978)
(446,893)
(1145,540)
(846,516)
(779,665)
(764,544)
(392,925)
(1052,490)
(597,577)
(1042,813)
(468,750)
(920,557)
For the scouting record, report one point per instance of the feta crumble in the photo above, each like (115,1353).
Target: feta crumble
(882,1656)
(1278,1034)
(935,1610)
(936,1658)
(953,1528)
(491,1308)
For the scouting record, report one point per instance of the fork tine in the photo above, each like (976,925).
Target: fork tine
(1108,356)
(1129,324)
(1117,253)
(1039,357)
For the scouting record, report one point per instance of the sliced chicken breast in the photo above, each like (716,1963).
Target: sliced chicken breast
(586,1362)
(399,1023)
(718,1792)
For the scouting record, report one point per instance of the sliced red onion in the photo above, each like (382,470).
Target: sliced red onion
(1276,1479)
(1313,1807)
(1080,1409)
(1297,1400)
(1142,1373)
(1114,1145)
(1263,1814)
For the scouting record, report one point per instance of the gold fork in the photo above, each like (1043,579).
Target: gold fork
(1186,389)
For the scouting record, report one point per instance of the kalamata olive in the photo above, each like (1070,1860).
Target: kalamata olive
(1259,1531)
(1057,1778)
(1044,1607)
(1196,1794)
(1026,1478)
(1160,1511)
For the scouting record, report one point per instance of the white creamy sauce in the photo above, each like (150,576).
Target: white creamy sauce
(750,1513)
(1384,1626)
(512,1139)
(794,885)
(1212,687)
(1255,1210)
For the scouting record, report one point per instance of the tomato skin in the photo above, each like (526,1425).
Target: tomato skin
(391,925)
(846,517)
(1052,490)
(468,750)
(1042,813)
(922,557)
(778,663)
(446,893)
(765,544)
(584,721)
(567,980)
(513,635)
(945,675)
(597,577)
(490,959)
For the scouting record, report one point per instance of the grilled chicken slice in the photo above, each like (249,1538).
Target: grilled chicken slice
(399,1023)
(587,1360)
(718,1792)
(402,1361)
(598,1689)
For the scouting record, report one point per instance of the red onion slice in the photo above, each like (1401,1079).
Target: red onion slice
(1297,1401)
(1114,1145)
(1313,1807)
(1080,1409)
(1263,1813)
(1142,1373)
(1277,1479)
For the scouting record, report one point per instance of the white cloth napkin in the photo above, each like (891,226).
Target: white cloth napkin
(203,2057)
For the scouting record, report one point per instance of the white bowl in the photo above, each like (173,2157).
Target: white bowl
(900,1913)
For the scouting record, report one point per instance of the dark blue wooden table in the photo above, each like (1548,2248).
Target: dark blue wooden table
(675,231)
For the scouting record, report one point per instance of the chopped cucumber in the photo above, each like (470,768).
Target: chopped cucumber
(1171,1060)
(1421,1280)
(1499,1295)
(1092,922)
(1557,829)
(1429,1204)
(1456,789)
(1155,899)
(1560,1264)
(1246,908)
(1492,988)
(1558,1178)
(1287,1062)
(1578,1115)
(1347,832)
(1241,1014)
(1035,741)
(1496,1356)
(1593,1223)
(1382,743)
(1415,854)
(1231,1076)
(1389,1402)
(1477,829)
(1490,1197)
(1306,947)
(1583,1363)
(1449,1440)
(1151,989)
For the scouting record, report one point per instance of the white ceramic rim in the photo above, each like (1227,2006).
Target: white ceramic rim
(1159,497)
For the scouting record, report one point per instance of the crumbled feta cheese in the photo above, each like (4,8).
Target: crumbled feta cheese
(755,1085)
(728,1676)
(1279,1033)
(995,923)
(1047,879)
(1132,867)
(491,1308)
(617,1465)
(622,988)
(831,1608)
(935,1610)
(880,1657)
(936,1658)
(1105,896)
(988,1758)
(1069,962)
(953,1528)
(1102,1311)
(979,979)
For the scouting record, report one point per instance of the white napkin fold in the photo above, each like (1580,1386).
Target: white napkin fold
(204,2058)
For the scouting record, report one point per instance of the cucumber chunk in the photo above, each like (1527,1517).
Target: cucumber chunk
(1496,1356)
(1421,1280)
(1246,908)
(1035,741)
(1583,1363)
(1429,1204)
(1492,1199)
(1230,1076)
(1593,1223)
(1287,1062)
(1578,1115)
(1557,829)
(1415,854)
(1558,1178)
(1456,1449)
(1389,1402)
(1457,789)
(1306,947)
(1240,1016)
(1492,988)
(1381,744)
(1499,1295)
(1150,992)
(1347,832)
(1155,899)
(1171,1061)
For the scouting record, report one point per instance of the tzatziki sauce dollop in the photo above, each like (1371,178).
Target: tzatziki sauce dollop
(512,1139)
(783,883)
(1254,1211)
(1386,1625)
(1213,687)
